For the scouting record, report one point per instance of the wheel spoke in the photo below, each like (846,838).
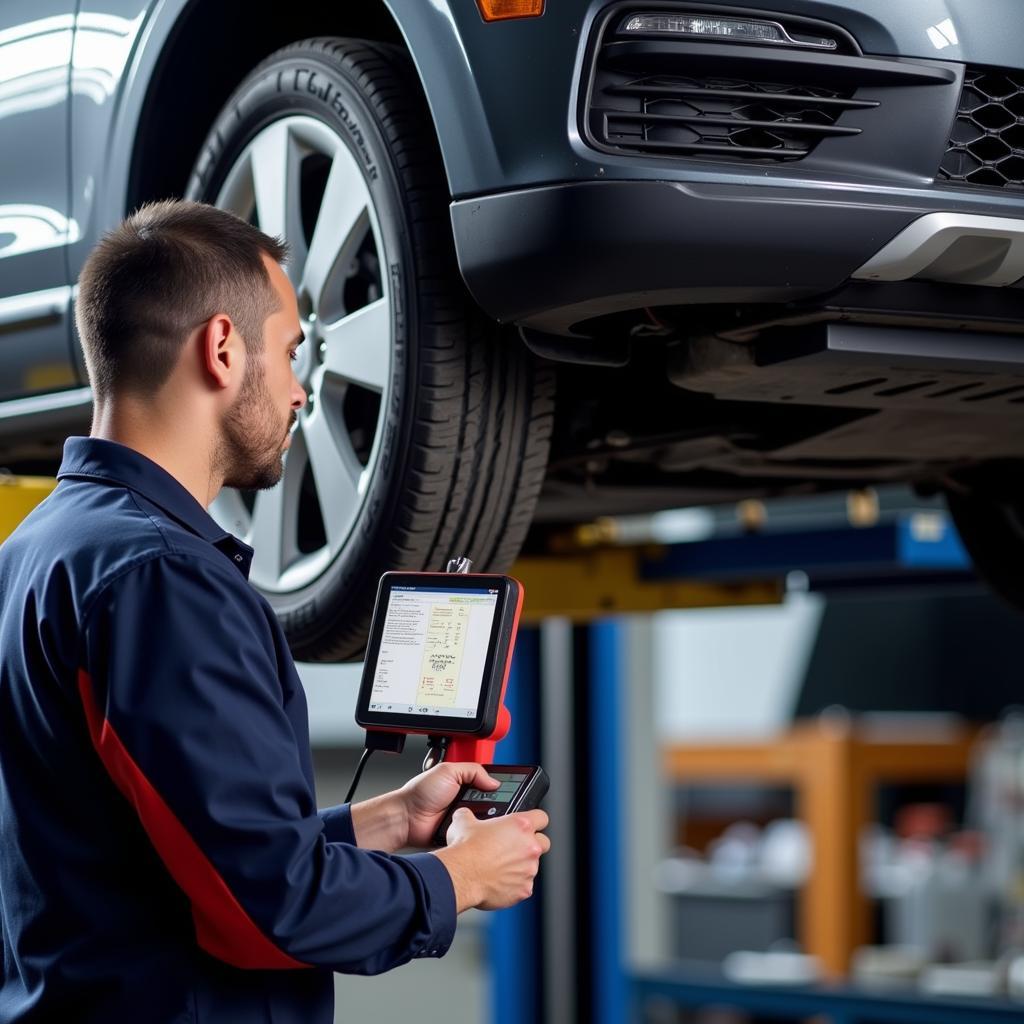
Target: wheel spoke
(236,194)
(335,275)
(336,472)
(275,164)
(340,224)
(359,346)
(267,536)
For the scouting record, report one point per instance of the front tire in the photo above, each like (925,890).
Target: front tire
(427,430)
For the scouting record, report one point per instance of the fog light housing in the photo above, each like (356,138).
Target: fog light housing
(734,30)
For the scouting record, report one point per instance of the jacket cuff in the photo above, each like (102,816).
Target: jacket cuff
(338,826)
(441,899)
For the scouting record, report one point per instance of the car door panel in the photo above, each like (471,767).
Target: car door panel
(105,86)
(35,52)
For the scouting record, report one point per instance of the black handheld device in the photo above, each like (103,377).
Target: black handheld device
(523,786)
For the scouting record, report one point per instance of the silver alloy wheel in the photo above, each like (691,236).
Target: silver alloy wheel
(298,180)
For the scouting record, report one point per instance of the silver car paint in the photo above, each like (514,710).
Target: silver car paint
(35,49)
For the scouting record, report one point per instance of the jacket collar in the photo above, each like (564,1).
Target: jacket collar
(93,458)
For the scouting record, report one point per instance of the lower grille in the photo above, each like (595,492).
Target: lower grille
(675,114)
(986,146)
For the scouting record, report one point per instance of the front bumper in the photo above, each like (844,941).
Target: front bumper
(552,258)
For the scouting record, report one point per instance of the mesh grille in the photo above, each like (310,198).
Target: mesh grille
(741,118)
(986,147)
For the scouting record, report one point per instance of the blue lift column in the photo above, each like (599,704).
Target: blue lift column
(607,670)
(515,936)
(520,965)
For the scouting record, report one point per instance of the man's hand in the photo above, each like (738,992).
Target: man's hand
(493,863)
(429,795)
(409,816)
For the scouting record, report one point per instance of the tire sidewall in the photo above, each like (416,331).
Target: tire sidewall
(310,84)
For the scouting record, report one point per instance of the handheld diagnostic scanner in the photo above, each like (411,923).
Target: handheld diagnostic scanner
(437,664)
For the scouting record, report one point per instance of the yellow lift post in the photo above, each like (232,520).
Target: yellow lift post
(18,496)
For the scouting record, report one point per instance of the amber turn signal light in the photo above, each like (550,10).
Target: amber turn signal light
(501,10)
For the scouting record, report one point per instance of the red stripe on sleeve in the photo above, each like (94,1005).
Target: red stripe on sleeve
(223,928)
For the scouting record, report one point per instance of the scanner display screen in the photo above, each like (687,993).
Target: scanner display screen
(433,651)
(522,788)
(510,783)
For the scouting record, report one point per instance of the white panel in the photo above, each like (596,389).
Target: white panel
(331,692)
(732,672)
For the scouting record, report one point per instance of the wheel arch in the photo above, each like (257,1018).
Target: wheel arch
(190,73)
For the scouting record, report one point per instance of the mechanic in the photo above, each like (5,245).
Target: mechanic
(163,859)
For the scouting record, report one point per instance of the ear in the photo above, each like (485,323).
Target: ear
(221,350)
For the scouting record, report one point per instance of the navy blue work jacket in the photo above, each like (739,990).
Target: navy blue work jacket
(162,858)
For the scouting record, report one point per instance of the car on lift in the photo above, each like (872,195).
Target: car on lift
(554,261)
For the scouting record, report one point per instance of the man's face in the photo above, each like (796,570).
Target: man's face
(256,429)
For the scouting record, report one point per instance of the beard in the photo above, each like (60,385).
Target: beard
(250,453)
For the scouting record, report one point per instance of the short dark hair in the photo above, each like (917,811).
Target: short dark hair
(158,275)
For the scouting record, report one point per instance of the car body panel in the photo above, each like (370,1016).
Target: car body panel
(501,128)
(103,100)
(35,49)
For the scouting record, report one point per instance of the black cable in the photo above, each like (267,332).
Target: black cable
(437,748)
(390,742)
(359,771)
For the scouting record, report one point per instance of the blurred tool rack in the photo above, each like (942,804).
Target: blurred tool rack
(834,768)
(571,722)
